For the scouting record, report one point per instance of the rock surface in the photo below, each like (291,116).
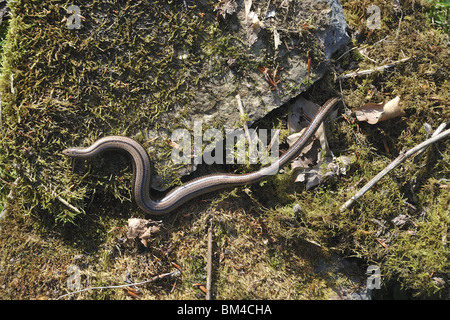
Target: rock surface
(281,36)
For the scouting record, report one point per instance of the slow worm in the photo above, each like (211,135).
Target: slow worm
(182,194)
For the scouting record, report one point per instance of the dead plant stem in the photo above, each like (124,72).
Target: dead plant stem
(391,166)
(209,266)
(369,71)
(174,273)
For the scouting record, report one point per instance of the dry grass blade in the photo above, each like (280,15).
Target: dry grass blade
(369,71)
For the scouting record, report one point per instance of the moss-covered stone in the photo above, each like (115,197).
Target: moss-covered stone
(62,87)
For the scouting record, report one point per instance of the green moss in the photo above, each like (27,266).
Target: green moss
(122,71)
(420,259)
(128,64)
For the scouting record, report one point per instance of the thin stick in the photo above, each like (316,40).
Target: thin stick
(435,133)
(362,47)
(209,266)
(161,276)
(366,72)
(366,56)
(391,166)
(8,183)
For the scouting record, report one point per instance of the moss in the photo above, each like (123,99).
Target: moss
(70,86)
(118,74)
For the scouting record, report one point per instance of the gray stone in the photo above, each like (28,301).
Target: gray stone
(292,32)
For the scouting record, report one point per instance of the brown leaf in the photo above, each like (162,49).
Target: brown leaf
(326,168)
(143,229)
(377,112)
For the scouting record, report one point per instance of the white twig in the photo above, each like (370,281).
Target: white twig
(362,47)
(209,266)
(365,72)
(391,166)
(161,276)
(435,133)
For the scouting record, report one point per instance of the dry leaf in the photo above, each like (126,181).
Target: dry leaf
(143,229)
(323,170)
(305,109)
(276,38)
(226,7)
(254,26)
(317,166)
(374,112)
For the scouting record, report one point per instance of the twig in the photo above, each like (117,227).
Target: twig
(391,166)
(435,133)
(360,48)
(365,72)
(366,56)
(247,133)
(379,41)
(161,276)
(64,202)
(399,23)
(209,266)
